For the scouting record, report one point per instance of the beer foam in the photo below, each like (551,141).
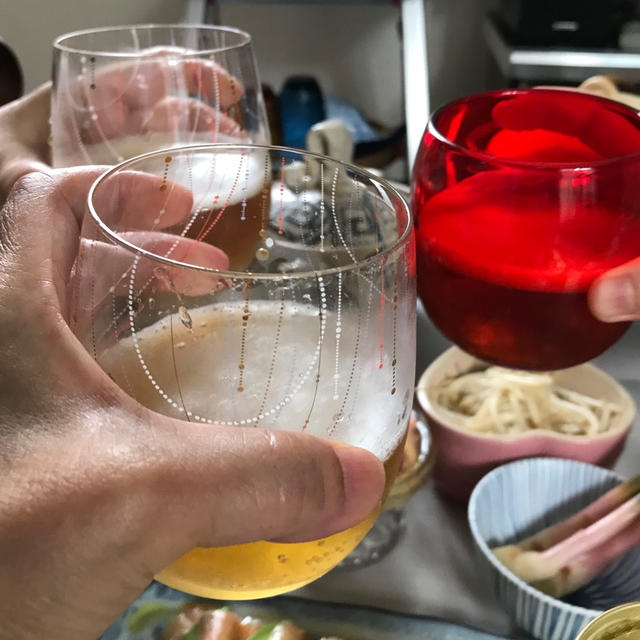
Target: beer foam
(115,150)
(231,176)
(215,178)
(280,368)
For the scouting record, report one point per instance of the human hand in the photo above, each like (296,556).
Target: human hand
(88,474)
(24,137)
(615,295)
(103,114)
(127,99)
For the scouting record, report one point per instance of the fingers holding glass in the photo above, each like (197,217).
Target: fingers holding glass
(122,98)
(139,207)
(615,296)
(115,97)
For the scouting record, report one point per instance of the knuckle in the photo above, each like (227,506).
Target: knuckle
(29,183)
(20,209)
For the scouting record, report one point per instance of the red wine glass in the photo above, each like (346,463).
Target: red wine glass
(522,198)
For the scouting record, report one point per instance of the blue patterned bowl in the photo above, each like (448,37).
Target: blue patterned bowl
(517,500)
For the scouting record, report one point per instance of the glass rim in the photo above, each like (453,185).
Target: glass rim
(607,621)
(432,128)
(60,43)
(380,183)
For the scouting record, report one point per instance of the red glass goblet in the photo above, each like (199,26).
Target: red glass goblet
(522,198)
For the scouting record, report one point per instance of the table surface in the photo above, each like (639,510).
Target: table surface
(432,572)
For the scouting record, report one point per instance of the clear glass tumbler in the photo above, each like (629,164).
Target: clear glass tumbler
(311,329)
(122,91)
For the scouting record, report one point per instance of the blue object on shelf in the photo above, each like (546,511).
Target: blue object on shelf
(301,106)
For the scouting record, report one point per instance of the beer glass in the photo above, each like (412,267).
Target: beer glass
(308,326)
(122,91)
(417,462)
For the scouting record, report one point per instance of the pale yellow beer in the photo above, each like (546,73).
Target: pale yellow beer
(237,226)
(231,195)
(261,569)
(203,357)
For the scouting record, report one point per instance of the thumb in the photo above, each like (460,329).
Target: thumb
(227,485)
(615,295)
(105,497)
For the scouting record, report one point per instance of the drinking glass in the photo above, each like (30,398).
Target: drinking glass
(121,91)
(522,199)
(417,462)
(312,332)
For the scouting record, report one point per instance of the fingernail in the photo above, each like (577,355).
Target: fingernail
(613,299)
(363,476)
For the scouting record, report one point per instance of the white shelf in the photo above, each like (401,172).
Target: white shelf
(414,53)
(560,64)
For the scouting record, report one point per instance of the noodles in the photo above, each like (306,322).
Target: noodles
(503,401)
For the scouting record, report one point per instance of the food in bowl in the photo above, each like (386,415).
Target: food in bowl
(202,621)
(514,502)
(568,555)
(464,455)
(498,400)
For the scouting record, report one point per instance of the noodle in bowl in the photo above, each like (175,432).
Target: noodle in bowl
(580,413)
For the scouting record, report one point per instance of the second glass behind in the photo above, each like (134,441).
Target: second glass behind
(122,91)
(310,326)
(522,199)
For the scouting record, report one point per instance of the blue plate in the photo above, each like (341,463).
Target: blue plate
(151,613)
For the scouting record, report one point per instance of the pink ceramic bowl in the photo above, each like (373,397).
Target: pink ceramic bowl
(463,457)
